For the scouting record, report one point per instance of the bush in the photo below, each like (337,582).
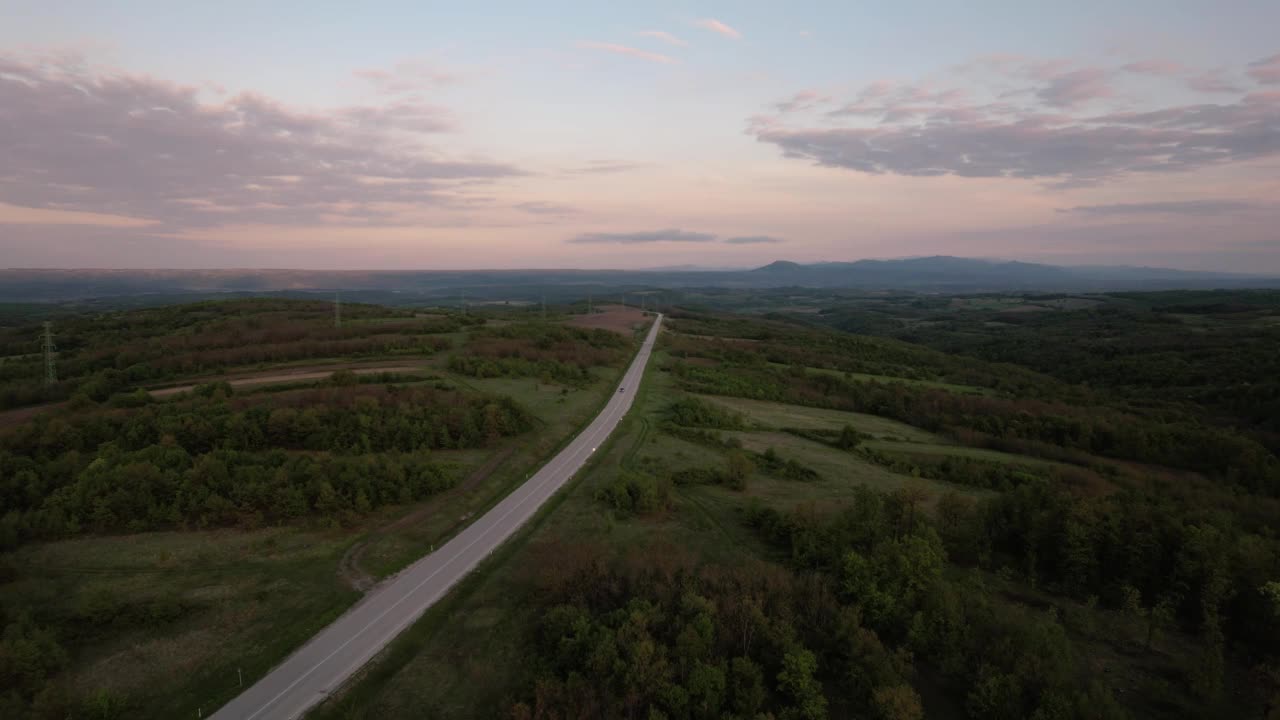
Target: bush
(634,493)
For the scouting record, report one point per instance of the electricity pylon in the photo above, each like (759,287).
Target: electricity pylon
(50,370)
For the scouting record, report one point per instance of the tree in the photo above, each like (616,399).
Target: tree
(1207,671)
(796,680)
(996,695)
(1160,616)
(344,378)
(897,702)
(746,687)
(1271,591)
(706,688)
(738,468)
(28,655)
(904,500)
(849,438)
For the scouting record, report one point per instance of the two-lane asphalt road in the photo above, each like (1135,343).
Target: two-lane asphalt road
(333,655)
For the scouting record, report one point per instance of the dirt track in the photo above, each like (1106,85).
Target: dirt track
(22,414)
(284,377)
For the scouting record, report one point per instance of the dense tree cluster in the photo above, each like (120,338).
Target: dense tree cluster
(968,471)
(656,641)
(1210,349)
(752,342)
(1142,549)
(692,412)
(30,655)
(1183,543)
(210,459)
(846,438)
(733,475)
(164,486)
(556,352)
(1129,552)
(868,613)
(636,493)
(349,419)
(771,463)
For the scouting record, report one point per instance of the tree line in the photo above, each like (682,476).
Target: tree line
(217,459)
(1022,425)
(555,352)
(106,353)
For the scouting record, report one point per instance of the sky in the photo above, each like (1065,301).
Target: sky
(447,135)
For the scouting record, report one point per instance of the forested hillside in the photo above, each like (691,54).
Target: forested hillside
(810,523)
(796,521)
(1210,353)
(102,354)
(245,467)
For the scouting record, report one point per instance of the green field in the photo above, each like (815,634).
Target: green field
(779,415)
(841,471)
(165,624)
(1122,577)
(238,600)
(960,451)
(462,659)
(488,475)
(867,377)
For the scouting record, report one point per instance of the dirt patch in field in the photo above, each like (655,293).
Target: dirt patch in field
(720,338)
(297,375)
(20,415)
(618,318)
(265,377)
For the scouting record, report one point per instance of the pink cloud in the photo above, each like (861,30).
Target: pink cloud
(77,138)
(406,76)
(665,37)
(626,50)
(1212,81)
(877,89)
(1076,87)
(1163,68)
(802,100)
(1047,69)
(1266,70)
(999,62)
(718,27)
(1267,97)
(1044,134)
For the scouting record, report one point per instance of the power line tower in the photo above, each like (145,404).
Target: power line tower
(337,310)
(50,370)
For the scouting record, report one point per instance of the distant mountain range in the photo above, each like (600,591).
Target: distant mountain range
(964,274)
(929,274)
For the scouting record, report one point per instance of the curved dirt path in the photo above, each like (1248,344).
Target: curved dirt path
(280,377)
(264,377)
